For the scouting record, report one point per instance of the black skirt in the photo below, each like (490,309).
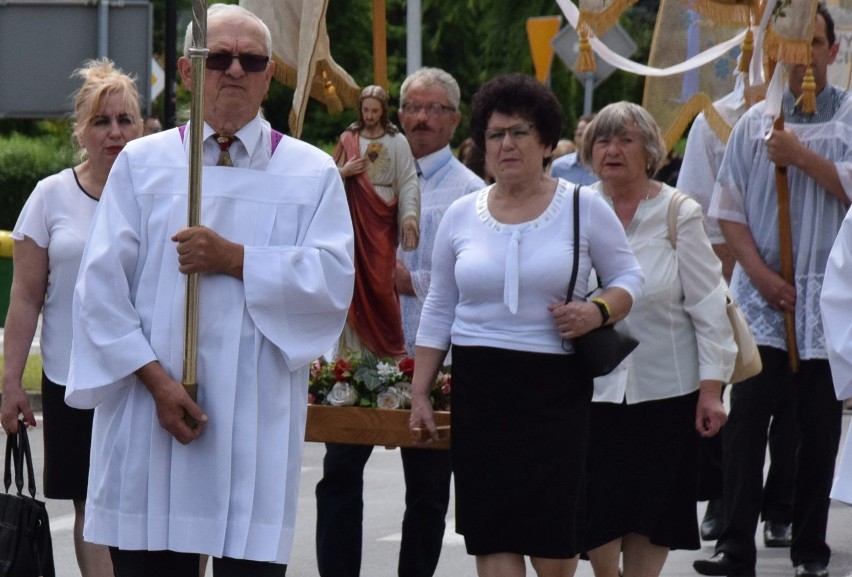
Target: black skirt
(520,426)
(67,443)
(643,473)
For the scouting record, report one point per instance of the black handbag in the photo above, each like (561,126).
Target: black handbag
(601,350)
(26,548)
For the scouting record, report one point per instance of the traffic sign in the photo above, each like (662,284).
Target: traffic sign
(158,79)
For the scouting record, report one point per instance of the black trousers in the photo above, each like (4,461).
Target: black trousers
(174,564)
(810,395)
(340,510)
(778,488)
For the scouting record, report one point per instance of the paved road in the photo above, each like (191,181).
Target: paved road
(383,512)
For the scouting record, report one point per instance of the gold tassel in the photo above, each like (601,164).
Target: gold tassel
(748,50)
(586,60)
(332,102)
(807,101)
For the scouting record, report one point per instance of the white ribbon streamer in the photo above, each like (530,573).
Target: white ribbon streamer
(774,99)
(572,14)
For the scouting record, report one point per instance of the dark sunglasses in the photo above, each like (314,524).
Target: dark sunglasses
(249,62)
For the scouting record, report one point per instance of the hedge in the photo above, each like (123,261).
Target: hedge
(24,160)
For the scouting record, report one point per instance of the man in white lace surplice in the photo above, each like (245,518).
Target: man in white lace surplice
(817,151)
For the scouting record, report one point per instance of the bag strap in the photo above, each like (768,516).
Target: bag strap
(25,453)
(11,447)
(674,211)
(19,455)
(576,264)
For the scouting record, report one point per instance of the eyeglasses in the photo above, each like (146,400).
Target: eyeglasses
(432,109)
(249,62)
(517,133)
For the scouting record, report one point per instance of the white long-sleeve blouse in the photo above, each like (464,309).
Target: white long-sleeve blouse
(680,320)
(492,282)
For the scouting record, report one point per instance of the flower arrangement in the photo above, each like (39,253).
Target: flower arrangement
(364,380)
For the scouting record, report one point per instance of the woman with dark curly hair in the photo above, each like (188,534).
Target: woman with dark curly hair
(501,268)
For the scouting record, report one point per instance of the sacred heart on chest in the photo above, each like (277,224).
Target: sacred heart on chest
(373,150)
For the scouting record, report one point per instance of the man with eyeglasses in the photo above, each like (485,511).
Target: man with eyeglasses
(275,267)
(429,114)
(380,179)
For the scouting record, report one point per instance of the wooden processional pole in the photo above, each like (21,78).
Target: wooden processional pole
(198,55)
(380,44)
(785,238)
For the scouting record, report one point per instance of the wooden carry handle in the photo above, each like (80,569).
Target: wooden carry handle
(422,434)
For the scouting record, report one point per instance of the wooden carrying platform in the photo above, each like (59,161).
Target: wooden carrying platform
(360,426)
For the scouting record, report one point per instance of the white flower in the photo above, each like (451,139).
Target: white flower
(388,371)
(342,395)
(403,389)
(389,399)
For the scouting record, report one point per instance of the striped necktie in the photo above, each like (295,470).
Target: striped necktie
(224,143)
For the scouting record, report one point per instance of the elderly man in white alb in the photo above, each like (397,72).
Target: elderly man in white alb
(276,274)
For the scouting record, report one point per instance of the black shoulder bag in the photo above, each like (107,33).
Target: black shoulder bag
(26,548)
(601,350)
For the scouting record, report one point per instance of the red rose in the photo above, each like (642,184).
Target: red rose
(406,367)
(342,370)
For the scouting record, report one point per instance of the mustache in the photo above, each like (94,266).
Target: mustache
(420,126)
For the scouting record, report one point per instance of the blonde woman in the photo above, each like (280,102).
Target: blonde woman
(49,238)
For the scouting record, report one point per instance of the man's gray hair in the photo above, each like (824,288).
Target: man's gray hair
(217,10)
(429,77)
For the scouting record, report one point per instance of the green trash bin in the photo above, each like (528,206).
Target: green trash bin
(6,243)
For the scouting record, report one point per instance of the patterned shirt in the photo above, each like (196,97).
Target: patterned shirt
(745,193)
(443,180)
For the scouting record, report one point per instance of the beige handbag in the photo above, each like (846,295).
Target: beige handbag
(748,362)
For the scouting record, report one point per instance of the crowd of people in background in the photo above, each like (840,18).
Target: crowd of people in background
(395,246)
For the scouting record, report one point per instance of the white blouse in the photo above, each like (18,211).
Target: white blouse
(680,321)
(492,282)
(57,217)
